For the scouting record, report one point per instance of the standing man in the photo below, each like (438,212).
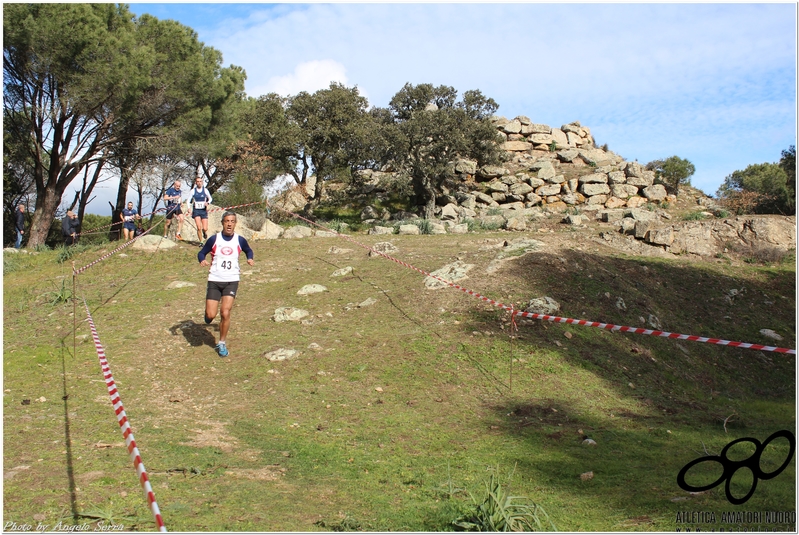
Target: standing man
(128,217)
(69,228)
(19,224)
(201,198)
(223,277)
(172,198)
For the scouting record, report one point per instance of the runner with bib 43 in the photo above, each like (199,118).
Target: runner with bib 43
(223,277)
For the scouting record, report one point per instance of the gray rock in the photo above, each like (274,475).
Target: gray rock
(485,199)
(369,302)
(152,243)
(450,212)
(654,322)
(179,284)
(567,155)
(642,228)
(590,190)
(378,230)
(298,231)
(623,191)
(289,314)
(383,247)
(521,189)
(281,354)
(662,236)
(468,167)
(628,225)
(462,228)
(608,216)
(655,193)
(492,171)
(465,200)
(309,289)
(768,333)
(546,173)
(271,231)
(342,272)
(411,230)
(517,223)
(369,213)
(516,146)
(451,272)
(543,305)
(560,139)
(338,250)
(550,189)
(617,177)
(640,215)
(573,219)
(620,304)
(513,127)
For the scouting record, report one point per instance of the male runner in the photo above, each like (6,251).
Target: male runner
(172,197)
(200,198)
(128,218)
(223,277)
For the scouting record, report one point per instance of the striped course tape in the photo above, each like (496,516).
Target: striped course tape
(514,312)
(96,229)
(122,418)
(108,255)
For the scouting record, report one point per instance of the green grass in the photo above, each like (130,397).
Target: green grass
(409,405)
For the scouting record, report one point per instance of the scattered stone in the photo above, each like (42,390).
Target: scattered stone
(289,314)
(313,346)
(768,333)
(281,354)
(654,322)
(383,247)
(589,442)
(298,231)
(587,476)
(179,284)
(311,289)
(338,250)
(342,272)
(620,304)
(451,272)
(411,230)
(543,305)
(381,230)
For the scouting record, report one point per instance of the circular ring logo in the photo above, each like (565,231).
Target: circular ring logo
(226,250)
(730,467)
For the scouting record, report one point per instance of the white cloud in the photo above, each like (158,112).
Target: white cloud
(308,76)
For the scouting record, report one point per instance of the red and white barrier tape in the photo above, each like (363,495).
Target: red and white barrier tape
(514,312)
(87,266)
(122,418)
(93,230)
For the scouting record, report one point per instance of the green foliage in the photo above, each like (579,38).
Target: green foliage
(694,216)
(553,146)
(673,172)
(425,226)
(499,511)
(240,190)
(426,128)
(86,78)
(760,188)
(61,294)
(788,164)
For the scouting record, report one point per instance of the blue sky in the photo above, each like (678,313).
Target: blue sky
(713,83)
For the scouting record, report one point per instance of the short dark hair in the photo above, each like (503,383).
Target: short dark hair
(229,213)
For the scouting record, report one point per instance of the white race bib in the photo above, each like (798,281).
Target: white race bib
(199,205)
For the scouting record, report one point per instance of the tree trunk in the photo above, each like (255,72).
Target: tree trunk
(46,205)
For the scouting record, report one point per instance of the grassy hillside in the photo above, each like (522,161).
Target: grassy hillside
(393,413)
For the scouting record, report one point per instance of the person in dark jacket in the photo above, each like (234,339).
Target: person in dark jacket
(20,224)
(69,228)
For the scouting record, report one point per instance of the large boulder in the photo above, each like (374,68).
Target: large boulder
(655,193)
(151,243)
(590,189)
(271,231)
(451,272)
(298,231)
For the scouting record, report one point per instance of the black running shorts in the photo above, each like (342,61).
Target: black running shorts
(216,290)
(172,211)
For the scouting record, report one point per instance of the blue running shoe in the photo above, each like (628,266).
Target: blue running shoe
(221,348)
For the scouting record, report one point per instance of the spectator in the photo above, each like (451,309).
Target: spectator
(69,228)
(20,224)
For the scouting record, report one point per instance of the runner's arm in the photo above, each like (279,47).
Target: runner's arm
(245,247)
(207,248)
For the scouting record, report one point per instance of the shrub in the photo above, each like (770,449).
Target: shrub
(425,226)
(498,511)
(694,216)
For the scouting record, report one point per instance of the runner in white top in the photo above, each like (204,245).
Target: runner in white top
(223,277)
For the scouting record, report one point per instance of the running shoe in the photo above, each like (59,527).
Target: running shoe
(178,236)
(221,348)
